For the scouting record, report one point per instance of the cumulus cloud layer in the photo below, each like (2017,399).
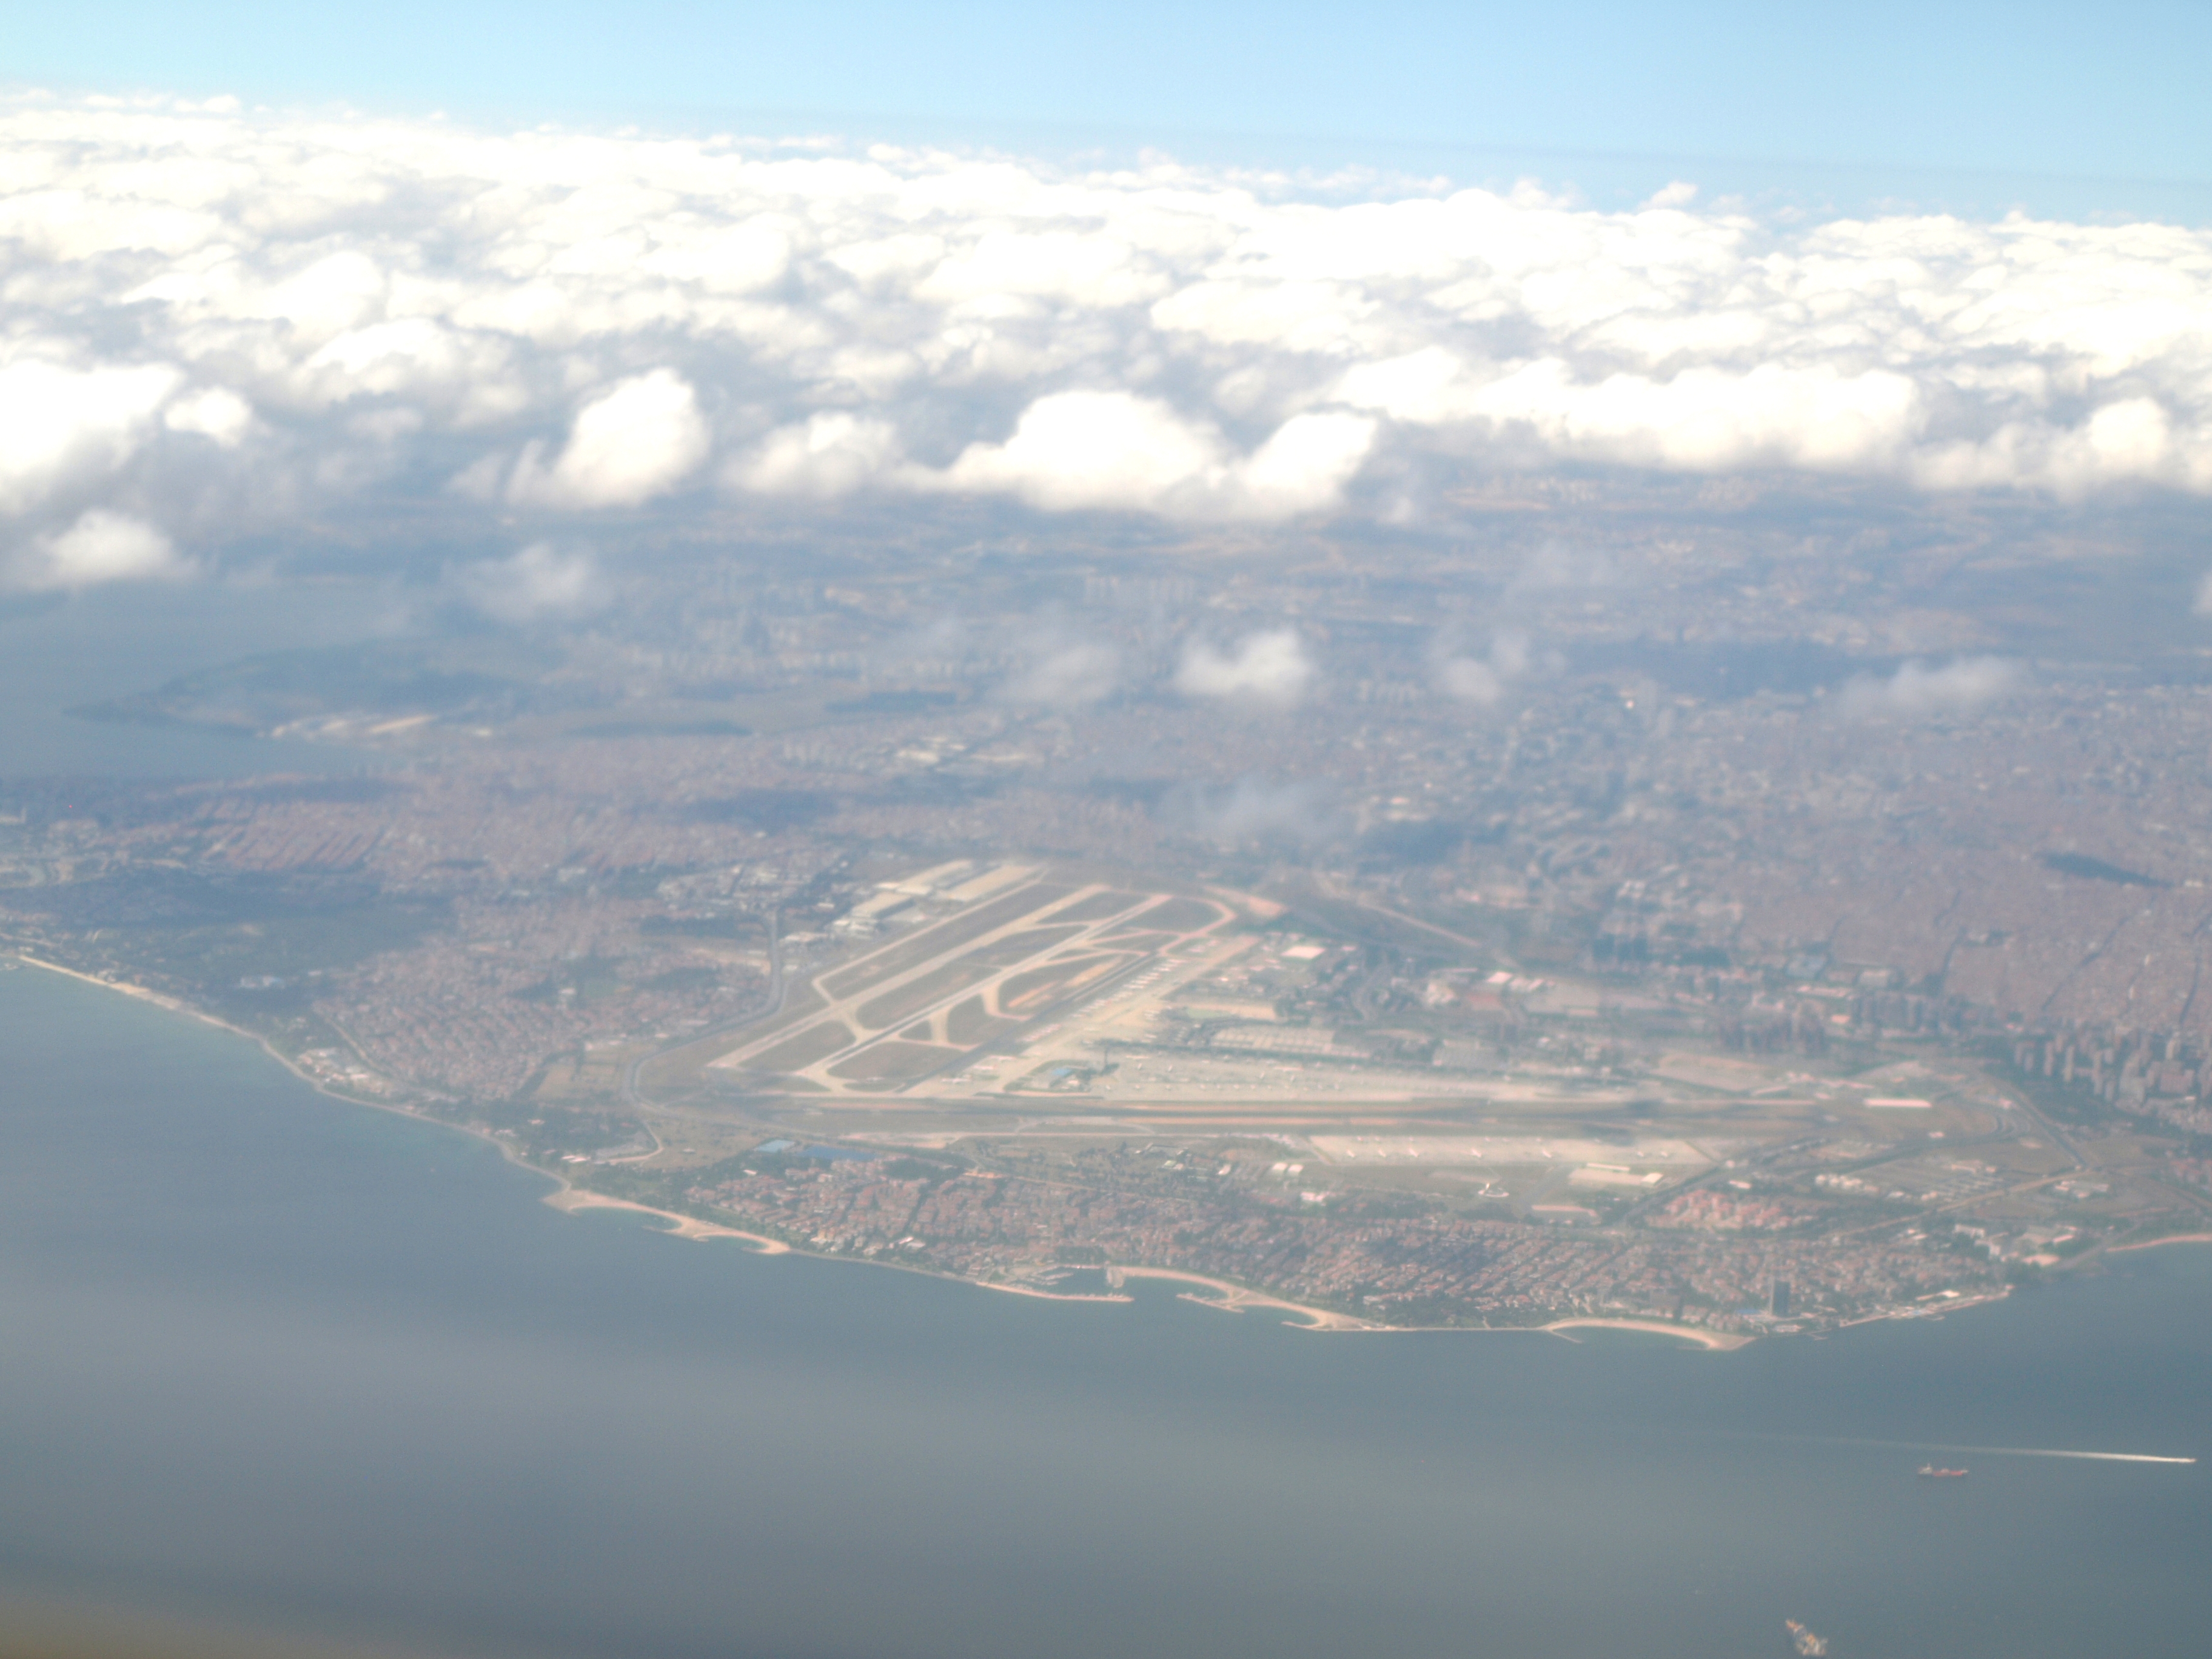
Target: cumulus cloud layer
(1114,449)
(229,314)
(641,438)
(1918,691)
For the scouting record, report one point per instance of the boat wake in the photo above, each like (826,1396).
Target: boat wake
(2015,1451)
(1945,1447)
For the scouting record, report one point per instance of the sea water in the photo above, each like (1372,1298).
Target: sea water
(273,1363)
(59,653)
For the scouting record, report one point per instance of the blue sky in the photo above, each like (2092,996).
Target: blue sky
(2114,92)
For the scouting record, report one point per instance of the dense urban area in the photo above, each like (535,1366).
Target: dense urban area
(1732,936)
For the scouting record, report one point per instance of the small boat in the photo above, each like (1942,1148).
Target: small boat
(1802,1641)
(1929,1472)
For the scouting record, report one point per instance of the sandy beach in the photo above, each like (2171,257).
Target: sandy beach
(1718,1341)
(569,1200)
(141,991)
(2159,1243)
(1235,1299)
(1042,1296)
(160,1000)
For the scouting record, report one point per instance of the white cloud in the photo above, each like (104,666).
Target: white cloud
(1066,673)
(830,453)
(538,583)
(1305,466)
(377,302)
(217,414)
(1095,449)
(101,546)
(1114,450)
(1917,691)
(463,376)
(1481,680)
(1252,808)
(1703,419)
(1270,667)
(1556,565)
(62,427)
(641,439)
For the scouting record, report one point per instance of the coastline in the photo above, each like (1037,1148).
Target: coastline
(570,1199)
(561,1185)
(1932,1309)
(163,999)
(2159,1243)
(1712,1341)
(1025,1290)
(1236,1298)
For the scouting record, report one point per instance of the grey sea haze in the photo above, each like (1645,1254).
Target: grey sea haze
(273,1363)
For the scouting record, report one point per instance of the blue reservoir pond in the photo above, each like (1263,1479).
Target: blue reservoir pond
(270,1362)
